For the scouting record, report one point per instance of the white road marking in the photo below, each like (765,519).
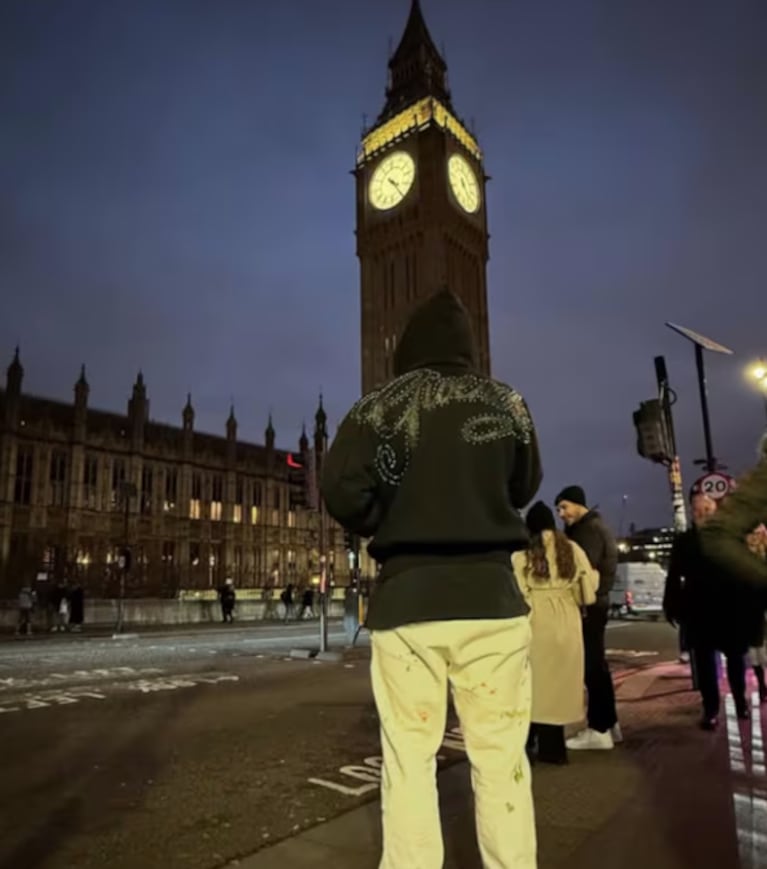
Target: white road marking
(748,799)
(65,697)
(13,684)
(369,771)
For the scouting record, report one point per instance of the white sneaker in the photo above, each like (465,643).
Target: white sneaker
(617,734)
(591,740)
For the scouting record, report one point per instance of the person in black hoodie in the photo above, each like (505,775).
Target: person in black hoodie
(586,528)
(435,467)
(715,609)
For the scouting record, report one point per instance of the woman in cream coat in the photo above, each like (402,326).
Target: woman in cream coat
(557,580)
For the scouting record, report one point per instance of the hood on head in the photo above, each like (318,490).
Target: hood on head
(438,334)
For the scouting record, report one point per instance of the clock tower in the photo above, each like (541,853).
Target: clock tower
(421,215)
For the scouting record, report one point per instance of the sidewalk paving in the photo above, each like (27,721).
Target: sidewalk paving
(102,632)
(662,800)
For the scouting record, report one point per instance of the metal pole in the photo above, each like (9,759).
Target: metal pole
(624,501)
(675,468)
(323,584)
(699,364)
(126,522)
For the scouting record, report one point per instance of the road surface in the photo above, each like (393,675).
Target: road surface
(190,750)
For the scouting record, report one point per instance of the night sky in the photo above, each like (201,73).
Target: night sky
(175,196)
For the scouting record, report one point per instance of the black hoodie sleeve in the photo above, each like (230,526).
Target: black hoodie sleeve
(526,472)
(349,483)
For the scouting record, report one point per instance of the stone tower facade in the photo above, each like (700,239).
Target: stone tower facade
(421,215)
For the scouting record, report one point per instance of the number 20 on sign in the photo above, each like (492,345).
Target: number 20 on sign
(715,485)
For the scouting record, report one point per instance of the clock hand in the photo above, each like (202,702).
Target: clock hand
(394,183)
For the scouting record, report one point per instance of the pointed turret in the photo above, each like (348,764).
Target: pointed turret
(269,433)
(416,69)
(231,424)
(231,436)
(81,405)
(303,443)
(82,389)
(138,410)
(320,429)
(14,375)
(187,414)
(321,419)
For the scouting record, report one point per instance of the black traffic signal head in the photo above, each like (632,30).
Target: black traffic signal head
(296,482)
(653,441)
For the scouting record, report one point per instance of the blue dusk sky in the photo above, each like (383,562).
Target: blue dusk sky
(176,197)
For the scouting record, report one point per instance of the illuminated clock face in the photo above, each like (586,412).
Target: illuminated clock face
(463,183)
(391,180)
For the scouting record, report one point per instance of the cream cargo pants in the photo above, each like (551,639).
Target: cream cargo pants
(486,663)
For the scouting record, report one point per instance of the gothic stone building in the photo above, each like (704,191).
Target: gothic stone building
(421,215)
(201,508)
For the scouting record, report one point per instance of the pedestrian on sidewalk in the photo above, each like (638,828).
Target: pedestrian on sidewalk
(714,610)
(287,602)
(434,466)
(557,580)
(307,604)
(26,602)
(227,598)
(76,607)
(587,528)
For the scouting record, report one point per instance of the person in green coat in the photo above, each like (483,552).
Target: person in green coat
(723,540)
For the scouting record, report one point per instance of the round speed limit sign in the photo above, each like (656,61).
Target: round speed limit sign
(715,485)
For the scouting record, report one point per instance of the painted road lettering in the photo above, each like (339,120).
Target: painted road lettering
(13,684)
(66,697)
(369,771)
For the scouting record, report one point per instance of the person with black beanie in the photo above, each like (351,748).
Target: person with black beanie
(587,528)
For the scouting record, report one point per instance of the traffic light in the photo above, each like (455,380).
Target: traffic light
(302,479)
(297,483)
(652,436)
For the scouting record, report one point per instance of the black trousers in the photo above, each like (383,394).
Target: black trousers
(548,741)
(708,683)
(601,715)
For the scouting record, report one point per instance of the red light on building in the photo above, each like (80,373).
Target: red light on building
(292,463)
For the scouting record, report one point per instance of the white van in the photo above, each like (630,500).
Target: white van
(638,590)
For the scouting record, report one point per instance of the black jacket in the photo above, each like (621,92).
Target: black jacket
(597,541)
(435,467)
(717,611)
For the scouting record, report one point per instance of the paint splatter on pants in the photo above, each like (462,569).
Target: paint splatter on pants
(486,664)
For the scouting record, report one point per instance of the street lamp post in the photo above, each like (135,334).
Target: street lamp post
(702,343)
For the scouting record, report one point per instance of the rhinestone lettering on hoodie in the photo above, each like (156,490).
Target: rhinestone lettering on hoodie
(394,413)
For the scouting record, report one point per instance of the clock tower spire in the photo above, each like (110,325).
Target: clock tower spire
(421,216)
(416,69)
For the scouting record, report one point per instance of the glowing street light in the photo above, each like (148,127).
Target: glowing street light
(758,373)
